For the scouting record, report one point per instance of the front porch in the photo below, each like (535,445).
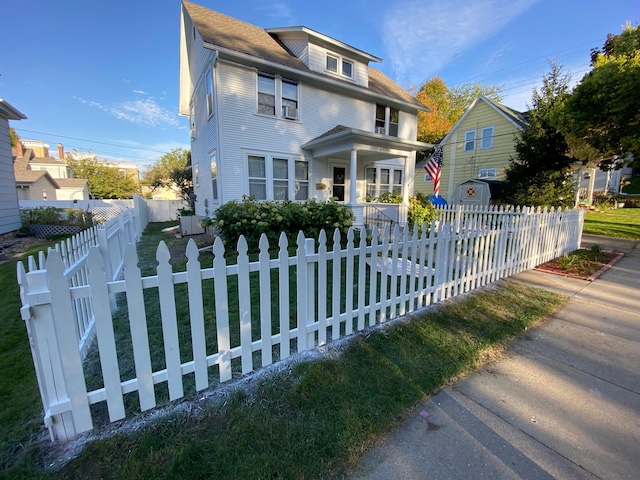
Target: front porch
(355,166)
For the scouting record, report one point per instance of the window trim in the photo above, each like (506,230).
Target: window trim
(471,141)
(489,137)
(279,98)
(215,192)
(340,61)
(208,80)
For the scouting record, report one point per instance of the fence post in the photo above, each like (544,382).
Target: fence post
(50,319)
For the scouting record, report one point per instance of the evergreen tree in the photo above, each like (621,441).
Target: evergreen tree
(540,175)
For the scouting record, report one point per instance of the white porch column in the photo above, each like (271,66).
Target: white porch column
(353,174)
(578,184)
(409,167)
(592,181)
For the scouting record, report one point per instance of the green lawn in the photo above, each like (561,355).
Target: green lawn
(313,420)
(621,222)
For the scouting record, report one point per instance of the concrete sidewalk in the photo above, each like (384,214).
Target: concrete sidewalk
(563,403)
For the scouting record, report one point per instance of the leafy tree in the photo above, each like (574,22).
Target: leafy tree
(13,136)
(540,173)
(447,106)
(603,111)
(173,170)
(106,180)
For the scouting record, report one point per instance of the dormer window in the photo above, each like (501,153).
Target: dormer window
(339,65)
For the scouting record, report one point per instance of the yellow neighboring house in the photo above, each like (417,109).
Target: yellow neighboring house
(479,146)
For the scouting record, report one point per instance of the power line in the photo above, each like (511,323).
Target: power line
(91,141)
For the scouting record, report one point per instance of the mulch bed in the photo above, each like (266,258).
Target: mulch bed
(588,272)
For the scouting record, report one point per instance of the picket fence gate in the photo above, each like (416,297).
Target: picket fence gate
(266,309)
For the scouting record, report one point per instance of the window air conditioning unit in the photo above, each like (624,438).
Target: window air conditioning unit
(290,113)
(380,130)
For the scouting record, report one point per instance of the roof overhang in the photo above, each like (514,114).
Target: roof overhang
(9,112)
(371,146)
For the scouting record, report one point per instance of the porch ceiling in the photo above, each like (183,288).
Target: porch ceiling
(340,141)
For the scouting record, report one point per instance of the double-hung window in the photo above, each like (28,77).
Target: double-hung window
(278,178)
(277,96)
(387,120)
(469,141)
(487,138)
(209,85)
(266,93)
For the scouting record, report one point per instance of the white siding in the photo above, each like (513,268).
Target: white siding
(9,211)
(299,47)
(242,130)
(317,62)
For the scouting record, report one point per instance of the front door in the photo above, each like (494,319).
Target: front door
(339,182)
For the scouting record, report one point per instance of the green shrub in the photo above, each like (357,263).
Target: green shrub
(390,197)
(421,210)
(252,218)
(55,216)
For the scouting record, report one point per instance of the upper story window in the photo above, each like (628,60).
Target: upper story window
(387,120)
(487,138)
(487,173)
(339,65)
(209,82)
(277,96)
(470,141)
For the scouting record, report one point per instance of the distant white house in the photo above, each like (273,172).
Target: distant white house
(9,209)
(290,113)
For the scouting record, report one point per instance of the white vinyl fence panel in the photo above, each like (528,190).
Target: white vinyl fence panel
(248,314)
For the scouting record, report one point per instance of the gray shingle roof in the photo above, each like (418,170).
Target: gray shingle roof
(230,33)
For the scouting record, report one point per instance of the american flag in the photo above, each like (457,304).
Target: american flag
(434,167)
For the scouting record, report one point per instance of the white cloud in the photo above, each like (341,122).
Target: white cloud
(279,10)
(418,49)
(140,92)
(141,112)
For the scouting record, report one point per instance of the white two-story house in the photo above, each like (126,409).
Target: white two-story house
(290,113)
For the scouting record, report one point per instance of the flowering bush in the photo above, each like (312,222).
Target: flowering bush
(421,210)
(252,218)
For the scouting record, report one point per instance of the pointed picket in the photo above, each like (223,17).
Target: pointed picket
(362,275)
(322,288)
(373,275)
(283,287)
(384,297)
(196,314)
(301,290)
(265,301)
(349,286)
(244,300)
(138,326)
(336,294)
(67,344)
(105,335)
(222,310)
(167,298)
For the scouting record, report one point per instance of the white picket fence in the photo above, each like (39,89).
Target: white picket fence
(250,313)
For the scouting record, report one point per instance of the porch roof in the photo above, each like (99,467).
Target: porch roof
(341,140)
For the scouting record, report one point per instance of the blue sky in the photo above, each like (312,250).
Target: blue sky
(103,76)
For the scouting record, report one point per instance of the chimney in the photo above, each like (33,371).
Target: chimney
(60,152)
(19,149)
